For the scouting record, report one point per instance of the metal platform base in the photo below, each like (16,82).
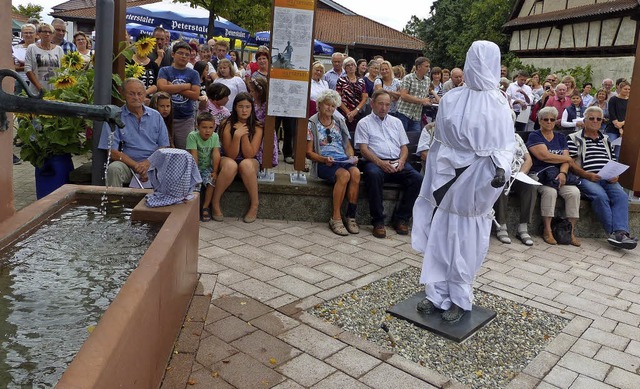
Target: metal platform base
(458,331)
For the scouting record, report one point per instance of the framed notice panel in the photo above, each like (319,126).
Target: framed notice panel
(291,48)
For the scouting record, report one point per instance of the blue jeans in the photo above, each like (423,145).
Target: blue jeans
(609,202)
(374,179)
(408,124)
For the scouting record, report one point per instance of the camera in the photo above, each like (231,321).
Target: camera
(547,88)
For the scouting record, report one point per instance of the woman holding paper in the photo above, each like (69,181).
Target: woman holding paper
(329,149)
(591,151)
(527,193)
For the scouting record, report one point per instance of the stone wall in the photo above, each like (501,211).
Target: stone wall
(603,67)
(312,202)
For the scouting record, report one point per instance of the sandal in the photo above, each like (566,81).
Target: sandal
(503,236)
(205,215)
(337,227)
(525,238)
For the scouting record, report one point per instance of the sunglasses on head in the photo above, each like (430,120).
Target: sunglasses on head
(328,133)
(593,118)
(549,120)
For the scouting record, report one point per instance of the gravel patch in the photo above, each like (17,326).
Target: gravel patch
(489,359)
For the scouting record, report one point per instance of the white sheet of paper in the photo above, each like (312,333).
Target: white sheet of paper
(612,169)
(520,176)
(617,142)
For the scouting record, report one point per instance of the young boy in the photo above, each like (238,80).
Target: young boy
(204,146)
(183,84)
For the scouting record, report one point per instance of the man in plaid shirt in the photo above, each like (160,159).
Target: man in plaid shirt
(414,92)
(60,30)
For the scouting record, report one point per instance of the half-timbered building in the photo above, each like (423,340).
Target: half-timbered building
(562,34)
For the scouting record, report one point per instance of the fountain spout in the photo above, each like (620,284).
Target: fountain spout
(34,104)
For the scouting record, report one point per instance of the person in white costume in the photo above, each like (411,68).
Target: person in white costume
(465,173)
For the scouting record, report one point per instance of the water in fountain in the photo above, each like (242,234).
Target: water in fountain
(56,283)
(106,167)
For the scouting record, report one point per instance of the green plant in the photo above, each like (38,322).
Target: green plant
(581,74)
(45,136)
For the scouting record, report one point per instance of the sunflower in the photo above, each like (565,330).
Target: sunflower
(133,70)
(144,46)
(65,81)
(73,61)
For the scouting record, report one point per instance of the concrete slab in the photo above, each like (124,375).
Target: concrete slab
(458,331)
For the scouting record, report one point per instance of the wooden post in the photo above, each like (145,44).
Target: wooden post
(629,154)
(300,144)
(267,142)
(119,35)
(6,133)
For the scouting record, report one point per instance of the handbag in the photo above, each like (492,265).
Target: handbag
(562,230)
(547,176)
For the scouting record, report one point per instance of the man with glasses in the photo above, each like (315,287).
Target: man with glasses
(144,132)
(607,85)
(560,101)
(60,31)
(591,150)
(553,79)
(414,94)
(184,86)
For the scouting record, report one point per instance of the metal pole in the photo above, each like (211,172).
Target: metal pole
(102,81)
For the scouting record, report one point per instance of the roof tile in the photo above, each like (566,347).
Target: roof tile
(336,28)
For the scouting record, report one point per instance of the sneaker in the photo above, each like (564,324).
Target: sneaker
(379,231)
(16,160)
(352,225)
(622,240)
(288,160)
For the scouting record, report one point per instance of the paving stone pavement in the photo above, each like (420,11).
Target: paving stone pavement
(247,326)
(261,278)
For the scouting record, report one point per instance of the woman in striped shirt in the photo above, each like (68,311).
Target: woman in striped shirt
(591,151)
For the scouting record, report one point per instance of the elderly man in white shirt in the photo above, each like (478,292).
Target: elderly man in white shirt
(521,97)
(383,143)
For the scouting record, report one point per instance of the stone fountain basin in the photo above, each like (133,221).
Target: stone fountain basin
(133,341)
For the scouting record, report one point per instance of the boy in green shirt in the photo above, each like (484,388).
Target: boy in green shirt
(204,146)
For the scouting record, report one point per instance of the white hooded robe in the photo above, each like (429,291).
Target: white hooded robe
(474,130)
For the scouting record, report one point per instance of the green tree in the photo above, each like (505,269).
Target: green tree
(253,15)
(29,10)
(454,24)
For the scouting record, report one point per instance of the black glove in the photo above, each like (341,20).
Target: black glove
(498,179)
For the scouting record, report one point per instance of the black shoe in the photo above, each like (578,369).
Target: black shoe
(453,314)
(621,239)
(16,160)
(425,306)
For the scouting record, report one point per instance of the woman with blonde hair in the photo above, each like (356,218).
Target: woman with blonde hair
(318,83)
(226,76)
(388,82)
(570,82)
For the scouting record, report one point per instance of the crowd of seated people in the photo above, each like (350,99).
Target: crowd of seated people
(200,93)
(571,141)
